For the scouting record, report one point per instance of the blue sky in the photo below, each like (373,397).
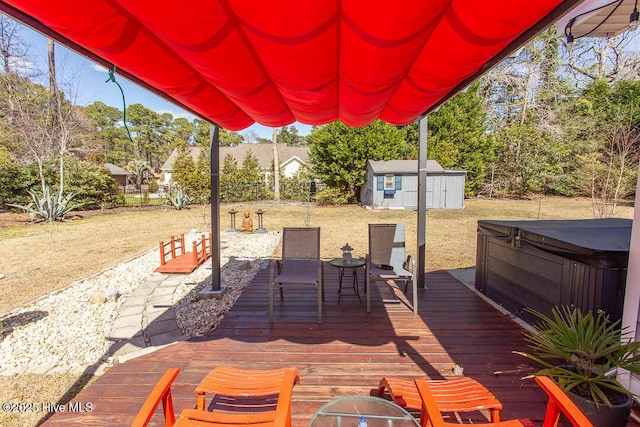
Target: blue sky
(85,82)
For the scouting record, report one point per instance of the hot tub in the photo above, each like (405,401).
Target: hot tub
(540,264)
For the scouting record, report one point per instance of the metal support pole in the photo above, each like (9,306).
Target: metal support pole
(422,203)
(214,133)
(632,292)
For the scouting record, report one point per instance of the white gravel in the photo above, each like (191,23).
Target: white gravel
(64,331)
(198,316)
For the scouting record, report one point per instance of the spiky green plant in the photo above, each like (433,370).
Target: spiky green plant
(583,352)
(180,199)
(47,206)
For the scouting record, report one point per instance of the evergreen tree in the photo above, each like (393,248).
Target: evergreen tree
(289,136)
(527,104)
(201,133)
(339,153)
(149,130)
(252,179)
(458,137)
(229,180)
(180,132)
(229,138)
(111,135)
(201,182)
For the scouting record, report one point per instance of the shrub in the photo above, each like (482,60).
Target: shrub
(297,187)
(153,185)
(13,186)
(332,196)
(92,184)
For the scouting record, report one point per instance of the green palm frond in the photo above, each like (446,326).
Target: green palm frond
(583,351)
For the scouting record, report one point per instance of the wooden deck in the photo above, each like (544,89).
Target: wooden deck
(345,355)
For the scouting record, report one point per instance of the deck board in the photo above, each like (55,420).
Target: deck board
(345,355)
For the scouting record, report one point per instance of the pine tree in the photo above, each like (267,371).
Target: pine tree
(458,137)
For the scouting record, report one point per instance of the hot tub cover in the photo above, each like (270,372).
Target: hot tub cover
(602,243)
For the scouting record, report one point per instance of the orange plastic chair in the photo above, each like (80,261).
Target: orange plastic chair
(160,393)
(462,394)
(278,417)
(558,403)
(232,388)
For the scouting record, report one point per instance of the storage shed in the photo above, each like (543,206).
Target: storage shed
(541,264)
(393,184)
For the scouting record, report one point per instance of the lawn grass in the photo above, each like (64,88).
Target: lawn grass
(38,259)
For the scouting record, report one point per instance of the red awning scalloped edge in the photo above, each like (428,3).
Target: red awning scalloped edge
(276,62)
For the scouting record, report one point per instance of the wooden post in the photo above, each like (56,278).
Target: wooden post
(162,260)
(204,247)
(195,253)
(183,246)
(173,247)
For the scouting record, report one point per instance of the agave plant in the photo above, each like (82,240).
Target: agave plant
(583,352)
(47,206)
(180,200)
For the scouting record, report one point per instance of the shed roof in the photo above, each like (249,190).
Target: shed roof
(116,170)
(403,166)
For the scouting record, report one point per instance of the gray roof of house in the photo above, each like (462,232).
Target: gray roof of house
(264,153)
(116,170)
(402,166)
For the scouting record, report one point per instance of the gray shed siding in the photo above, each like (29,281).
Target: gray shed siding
(444,189)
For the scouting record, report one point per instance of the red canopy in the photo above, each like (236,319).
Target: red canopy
(236,62)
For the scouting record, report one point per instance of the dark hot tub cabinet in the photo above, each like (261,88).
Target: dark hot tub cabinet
(540,264)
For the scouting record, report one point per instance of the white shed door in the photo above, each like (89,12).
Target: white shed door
(410,192)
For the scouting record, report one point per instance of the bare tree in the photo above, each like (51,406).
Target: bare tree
(14,52)
(13,48)
(59,128)
(610,172)
(44,126)
(611,59)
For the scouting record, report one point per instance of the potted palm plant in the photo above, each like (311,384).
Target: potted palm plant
(583,353)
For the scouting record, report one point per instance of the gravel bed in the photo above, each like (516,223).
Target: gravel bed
(67,330)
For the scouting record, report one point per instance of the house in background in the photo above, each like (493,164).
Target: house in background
(393,184)
(291,159)
(118,174)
